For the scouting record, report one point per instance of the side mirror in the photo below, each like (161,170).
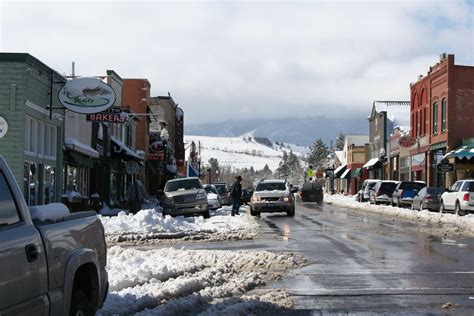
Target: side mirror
(294,190)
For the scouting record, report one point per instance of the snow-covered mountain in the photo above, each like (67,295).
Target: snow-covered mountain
(243,151)
(301,131)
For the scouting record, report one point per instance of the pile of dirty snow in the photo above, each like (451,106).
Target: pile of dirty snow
(172,281)
(449,223)
(149,225)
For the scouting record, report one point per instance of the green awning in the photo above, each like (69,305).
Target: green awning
(356,172)
(82,160)
(466,152)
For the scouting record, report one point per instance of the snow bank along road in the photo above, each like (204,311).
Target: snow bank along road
(327,259)
(169,281)
(450,224)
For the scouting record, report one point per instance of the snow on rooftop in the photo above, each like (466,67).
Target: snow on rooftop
(397,111)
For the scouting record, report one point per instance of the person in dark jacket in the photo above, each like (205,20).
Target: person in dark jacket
(236,195)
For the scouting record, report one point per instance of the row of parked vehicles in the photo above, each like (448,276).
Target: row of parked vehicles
(458,199)
(188,196)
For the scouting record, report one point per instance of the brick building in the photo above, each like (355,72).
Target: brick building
(442,120)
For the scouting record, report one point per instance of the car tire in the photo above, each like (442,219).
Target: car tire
(291,212)
(413,206)
(80,304)
(458,210)
(253,213)
(421,206)
(398,202)
(441,207)
(206,214)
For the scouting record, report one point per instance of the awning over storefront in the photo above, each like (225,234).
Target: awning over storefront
(339,170)
(120,148)
(356,172)
(463,152)
(75,145)
(346,174)
(373,163)
(80,159)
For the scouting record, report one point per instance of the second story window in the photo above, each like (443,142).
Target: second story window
(435,118)
(443,115)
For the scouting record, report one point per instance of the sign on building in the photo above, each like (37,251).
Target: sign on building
(3,127)
(112,115)
(407,141)
(87,95)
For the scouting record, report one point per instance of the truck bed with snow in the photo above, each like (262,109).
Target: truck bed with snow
(53,262)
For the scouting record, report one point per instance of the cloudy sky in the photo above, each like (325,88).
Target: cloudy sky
(241,59)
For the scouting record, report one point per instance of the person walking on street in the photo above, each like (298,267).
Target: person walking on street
(236,195)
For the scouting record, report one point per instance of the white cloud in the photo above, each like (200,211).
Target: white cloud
(220,59)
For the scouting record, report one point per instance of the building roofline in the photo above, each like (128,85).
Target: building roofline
(28,59)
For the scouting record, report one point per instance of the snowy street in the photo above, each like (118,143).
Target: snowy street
(325,259)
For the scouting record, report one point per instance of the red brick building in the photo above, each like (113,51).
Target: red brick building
(136,96)
(442,119)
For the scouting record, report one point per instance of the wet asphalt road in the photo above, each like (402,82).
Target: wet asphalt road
(364,263)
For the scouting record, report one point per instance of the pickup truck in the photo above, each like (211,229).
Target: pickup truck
(48,267)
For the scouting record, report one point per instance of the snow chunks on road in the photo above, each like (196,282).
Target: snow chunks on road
(170,281)
(150,226)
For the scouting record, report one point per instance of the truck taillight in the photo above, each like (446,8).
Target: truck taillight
(466,197)
(401,193)
(429,197)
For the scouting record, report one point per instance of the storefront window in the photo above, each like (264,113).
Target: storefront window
(49,174)
(71,179)
(30,183)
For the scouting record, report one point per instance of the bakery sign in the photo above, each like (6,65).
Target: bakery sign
(407,141)
(87,95)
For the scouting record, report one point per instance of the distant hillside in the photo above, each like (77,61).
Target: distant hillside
(243,151)
(301,131)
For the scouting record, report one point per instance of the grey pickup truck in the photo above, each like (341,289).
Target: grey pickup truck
(48,267)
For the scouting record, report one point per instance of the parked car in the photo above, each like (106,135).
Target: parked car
(405,191)
(311,192)
(223,190)
(459,198)
(364,193)
(246,195)
(272,196)
(51,265)
(213,199)
(185,196)
(427,198)
(382,192)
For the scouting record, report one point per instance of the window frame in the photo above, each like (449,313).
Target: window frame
(444,122)
(435,118)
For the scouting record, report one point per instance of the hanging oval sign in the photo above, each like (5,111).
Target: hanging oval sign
(3,127)
(407,141)
(87,95)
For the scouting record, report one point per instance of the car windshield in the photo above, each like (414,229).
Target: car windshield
(221,188)
(185,184)
(412,185)
(210,190)
(435,191)
(468,186)
(271,186)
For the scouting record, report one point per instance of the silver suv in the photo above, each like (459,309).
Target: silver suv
(459,198)
(185,196)
(272,196)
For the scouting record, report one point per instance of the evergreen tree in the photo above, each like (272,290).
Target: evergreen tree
(340,141)
(318,154)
